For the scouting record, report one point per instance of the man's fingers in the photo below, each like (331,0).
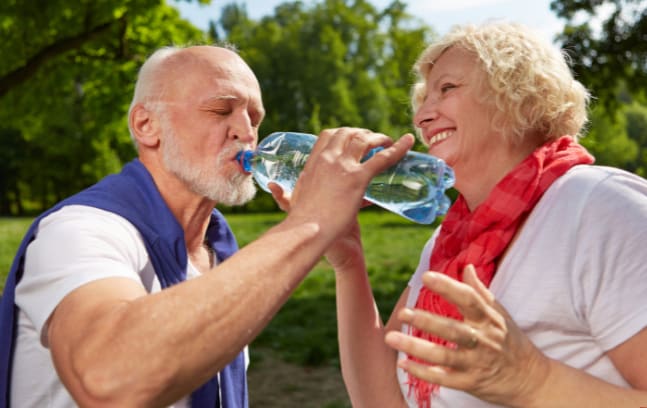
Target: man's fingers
(280,196)
(390,155)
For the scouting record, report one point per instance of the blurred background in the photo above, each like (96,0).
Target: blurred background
(67,71)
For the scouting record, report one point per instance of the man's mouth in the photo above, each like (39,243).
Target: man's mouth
(243,160)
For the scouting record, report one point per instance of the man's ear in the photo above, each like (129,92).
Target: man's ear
(144,125)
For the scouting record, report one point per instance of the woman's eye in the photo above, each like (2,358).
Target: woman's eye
(446,87)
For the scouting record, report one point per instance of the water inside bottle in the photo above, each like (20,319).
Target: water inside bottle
(282,170)
(414,187)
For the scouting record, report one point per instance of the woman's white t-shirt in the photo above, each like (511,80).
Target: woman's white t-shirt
(574,280)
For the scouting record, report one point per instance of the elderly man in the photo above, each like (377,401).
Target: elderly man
(132,293)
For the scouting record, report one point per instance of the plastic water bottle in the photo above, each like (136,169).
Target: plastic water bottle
(413,188)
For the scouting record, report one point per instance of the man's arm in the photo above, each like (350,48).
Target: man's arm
(113,344)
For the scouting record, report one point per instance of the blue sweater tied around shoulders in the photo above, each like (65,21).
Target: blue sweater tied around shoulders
(133,195)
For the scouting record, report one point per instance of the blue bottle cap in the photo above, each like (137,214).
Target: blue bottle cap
(244,158)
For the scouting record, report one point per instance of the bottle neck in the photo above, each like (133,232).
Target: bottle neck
(244,158)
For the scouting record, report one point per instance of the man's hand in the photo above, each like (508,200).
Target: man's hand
(331,187)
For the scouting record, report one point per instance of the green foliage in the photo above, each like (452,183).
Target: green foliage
(607,140)
(12,231)
(636,115)
(68,71)
(334,63)
(610,60)
(65,85)
(618,138)
(13,151)
(615,53)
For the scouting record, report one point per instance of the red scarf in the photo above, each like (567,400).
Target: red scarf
(481,237)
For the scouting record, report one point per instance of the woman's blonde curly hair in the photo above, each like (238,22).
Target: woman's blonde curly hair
(528,81)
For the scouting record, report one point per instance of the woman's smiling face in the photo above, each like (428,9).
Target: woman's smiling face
(454,121)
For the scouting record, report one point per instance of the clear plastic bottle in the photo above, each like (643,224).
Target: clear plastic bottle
(413,188)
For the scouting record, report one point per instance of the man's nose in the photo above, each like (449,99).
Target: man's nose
(242,129)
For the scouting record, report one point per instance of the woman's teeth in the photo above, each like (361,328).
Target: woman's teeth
(440,136)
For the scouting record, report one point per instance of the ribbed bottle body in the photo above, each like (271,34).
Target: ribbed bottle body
(413,188)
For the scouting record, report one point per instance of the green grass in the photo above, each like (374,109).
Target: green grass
(11,233)
(304,331)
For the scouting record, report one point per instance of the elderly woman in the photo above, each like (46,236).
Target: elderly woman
(532,292)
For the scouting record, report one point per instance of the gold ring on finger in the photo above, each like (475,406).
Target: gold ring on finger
(474,340)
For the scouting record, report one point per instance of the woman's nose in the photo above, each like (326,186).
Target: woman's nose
(425,113)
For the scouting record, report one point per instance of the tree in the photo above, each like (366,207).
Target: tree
(13,151)
(607,139)
(66,81)
(334,63)
(611,60)
(636,115)
(614,54)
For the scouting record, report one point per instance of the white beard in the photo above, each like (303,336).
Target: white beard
(213,181)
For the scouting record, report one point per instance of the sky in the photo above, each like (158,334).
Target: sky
(439,14)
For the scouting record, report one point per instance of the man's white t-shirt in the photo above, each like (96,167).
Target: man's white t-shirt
(74,246)
(574,280)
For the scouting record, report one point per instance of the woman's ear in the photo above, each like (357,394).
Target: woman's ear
(144,125)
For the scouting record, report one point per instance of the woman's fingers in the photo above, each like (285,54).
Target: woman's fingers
(471,278)
(424,350)
(466,299)
(452,330)
(474,303)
